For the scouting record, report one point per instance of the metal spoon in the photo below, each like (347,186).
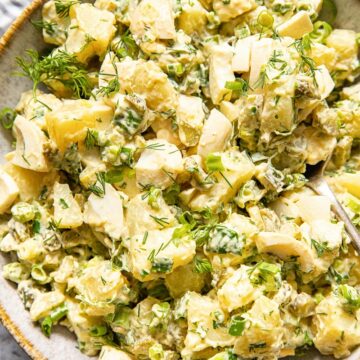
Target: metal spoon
(317,182)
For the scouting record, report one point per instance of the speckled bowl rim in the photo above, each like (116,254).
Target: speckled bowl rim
(5,319)
(17,24)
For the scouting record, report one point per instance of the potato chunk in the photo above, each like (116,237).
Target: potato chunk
(90,32)
(227,11)
(111,353)
(44,303)
(9,191)
(69,123)
(201,312)
(67,212)
(297,26)
(153,18)
(238,169)
(155,253)
(238,291)
(159,164)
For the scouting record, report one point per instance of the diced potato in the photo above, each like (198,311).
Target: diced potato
(106,213)
(111,353)
(192,18)
(67,212)
(30,183)
(9,191)
(55,34)
(201,312)
(190,118)
(69,123)
(343,41)
(44,303)
(297,26)
(220,72)
(336,331)
(238,169)
(285,247)
(215,134)
(98,283)
(350,182)
(90,31)
(324,81)
(146,79)
(238,291)
(319,145)
(227,11)
(30,142)
(184,279)
(327,233)
(159,164)
(140,214)
(261,52)
(242,56)
(351,92)
(81,324)
(153,19)
(230,110)
(264,325)
(323,55)
(154,253)
(313,208)
(31,250)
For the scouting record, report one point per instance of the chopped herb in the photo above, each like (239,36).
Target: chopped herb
(239,86)
(112,87)
(320,248)
(55,316)
(63,204)
(62,7)
(91,138)
(224,240)
(161,265)
(126,46)
(115,175)
(214,163)
(163,221)
(99,190)
(202,265)
(47,26)
(237,325)
(7,116)
(36,227)
(60,66)
(98,331)
(351,297)
(255,346)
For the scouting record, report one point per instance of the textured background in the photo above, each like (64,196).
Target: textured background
(9,349)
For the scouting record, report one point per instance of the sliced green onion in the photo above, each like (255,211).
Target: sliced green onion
(237,326)
(239,85)
(213,163)
(321,31)
(7,116)
(39,274)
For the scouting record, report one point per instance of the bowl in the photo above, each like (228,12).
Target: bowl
(21,36)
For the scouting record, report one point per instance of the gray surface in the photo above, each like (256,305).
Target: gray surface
(9,349)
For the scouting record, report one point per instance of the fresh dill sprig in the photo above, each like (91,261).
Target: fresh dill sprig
(62,7)
(99,187)
(91,138)
(113,86)
(202,265)
(47,26)
(126,46)
(60,66)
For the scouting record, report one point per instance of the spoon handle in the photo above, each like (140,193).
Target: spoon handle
(321,187)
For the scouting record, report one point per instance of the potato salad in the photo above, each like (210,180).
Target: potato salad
(155,201)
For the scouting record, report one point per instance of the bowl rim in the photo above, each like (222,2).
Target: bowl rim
(18,23)
(5,319)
